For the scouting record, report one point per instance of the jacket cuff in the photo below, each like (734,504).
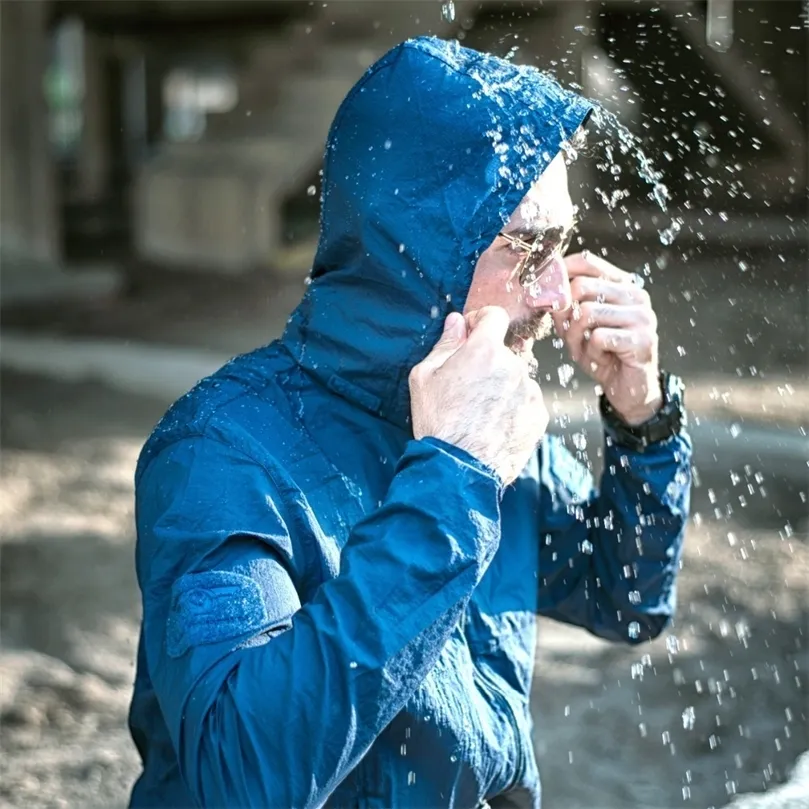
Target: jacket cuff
(465,458)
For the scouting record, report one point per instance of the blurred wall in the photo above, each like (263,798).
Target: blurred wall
(29,222)
(184,130)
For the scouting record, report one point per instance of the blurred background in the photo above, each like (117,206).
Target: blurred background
(159,199)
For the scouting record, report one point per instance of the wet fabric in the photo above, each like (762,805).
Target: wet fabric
(336,614)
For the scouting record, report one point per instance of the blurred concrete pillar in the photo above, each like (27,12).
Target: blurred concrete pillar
(154,72)
(28,200)
(93,164)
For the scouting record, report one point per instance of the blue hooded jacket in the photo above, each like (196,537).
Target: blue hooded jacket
(336,614)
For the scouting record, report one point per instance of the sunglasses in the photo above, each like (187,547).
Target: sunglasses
(536,255)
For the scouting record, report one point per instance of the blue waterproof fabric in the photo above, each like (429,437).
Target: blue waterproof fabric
(334,613)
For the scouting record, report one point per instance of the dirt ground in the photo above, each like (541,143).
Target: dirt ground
(715,708)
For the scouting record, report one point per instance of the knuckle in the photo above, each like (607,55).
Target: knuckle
(578,286)
(598,338)
(416,376)
(588,310)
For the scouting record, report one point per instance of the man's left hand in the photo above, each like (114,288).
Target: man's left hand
(611,332)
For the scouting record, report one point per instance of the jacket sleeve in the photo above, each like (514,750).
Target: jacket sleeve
(609,556)
(272,697)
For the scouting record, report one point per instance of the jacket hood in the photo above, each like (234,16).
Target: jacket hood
(428,156)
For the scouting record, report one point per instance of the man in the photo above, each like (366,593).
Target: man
(344,537)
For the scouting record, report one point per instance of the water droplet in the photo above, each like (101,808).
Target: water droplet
(352,664)
(434,312)
(689,718)
(448,11)
(411,778)
(633,630)
(669,234)
(388,143)
(311,191)
(660,193)
(566,372)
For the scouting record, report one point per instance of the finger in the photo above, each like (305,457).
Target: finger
(454,328)
(595,267)
(596,361)
(623,343)
(490,323)
(572,328)
(576,324)
(591,314)
(586,288)
(452,338)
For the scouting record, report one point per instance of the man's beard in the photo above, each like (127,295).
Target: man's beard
(534,328)
(537,327)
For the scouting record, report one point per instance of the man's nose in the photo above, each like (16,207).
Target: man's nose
(551,290)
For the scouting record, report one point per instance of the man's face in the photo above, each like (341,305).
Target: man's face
(529,287)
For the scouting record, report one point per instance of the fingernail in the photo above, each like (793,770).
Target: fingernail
(453,325)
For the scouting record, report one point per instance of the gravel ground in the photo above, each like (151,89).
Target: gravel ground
(715,708)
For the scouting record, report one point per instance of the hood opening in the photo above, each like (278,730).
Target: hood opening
(428,156)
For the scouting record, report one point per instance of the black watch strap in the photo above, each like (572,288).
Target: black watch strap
(665,423)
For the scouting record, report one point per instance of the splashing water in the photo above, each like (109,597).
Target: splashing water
(629,144)
(689,718)
(669,234)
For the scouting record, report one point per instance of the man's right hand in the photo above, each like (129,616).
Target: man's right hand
(473,392)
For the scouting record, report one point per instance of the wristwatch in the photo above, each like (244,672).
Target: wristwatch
(665,423)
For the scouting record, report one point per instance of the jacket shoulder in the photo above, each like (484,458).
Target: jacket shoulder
(227,407)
